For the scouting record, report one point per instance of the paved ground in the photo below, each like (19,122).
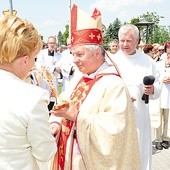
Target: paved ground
(160,158)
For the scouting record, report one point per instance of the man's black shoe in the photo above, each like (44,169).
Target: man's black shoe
(165,144)
(158,145)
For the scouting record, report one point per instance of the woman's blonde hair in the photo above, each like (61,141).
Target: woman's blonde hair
(18,37)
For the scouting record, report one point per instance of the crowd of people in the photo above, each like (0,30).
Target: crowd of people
(160,108)
(78,106)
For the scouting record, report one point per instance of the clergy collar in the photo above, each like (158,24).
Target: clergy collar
(50,53)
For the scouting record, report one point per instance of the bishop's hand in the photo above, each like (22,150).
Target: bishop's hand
(70,112)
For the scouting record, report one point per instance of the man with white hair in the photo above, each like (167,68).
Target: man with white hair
(98,129)
(134,66)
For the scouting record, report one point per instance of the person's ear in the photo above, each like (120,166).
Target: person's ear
(23,60)
(98,51)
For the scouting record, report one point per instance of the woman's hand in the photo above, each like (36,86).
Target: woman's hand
(55,128)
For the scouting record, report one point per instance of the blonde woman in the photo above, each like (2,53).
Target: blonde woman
(25,132)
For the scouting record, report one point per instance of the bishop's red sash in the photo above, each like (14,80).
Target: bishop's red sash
(78,95)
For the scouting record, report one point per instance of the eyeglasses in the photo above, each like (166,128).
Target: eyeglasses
(161,50)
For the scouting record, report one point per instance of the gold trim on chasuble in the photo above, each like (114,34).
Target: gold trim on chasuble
(78,95)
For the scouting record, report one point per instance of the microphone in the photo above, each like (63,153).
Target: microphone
(147,80)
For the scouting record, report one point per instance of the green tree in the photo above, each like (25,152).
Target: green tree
(151,17)
(60,38)
(66,34)
(112,31)
(150,31)
(135,21)
(161,35)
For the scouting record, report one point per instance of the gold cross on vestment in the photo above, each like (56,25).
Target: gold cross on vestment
(92,36)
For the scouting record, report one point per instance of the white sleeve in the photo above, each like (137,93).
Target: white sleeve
(55,119)
(39,134)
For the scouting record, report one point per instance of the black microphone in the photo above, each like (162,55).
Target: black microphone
(147,80)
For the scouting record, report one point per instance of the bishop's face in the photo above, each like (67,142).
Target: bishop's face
(87,61)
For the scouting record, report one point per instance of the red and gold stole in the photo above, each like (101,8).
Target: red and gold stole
(78,95)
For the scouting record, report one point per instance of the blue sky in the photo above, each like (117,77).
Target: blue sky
(51,16)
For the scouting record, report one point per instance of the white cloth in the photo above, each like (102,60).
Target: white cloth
(165,95)
(67,61)
(106,127)
(25,131)
(165,88)
(133,69)
(163,56)
(67,65)
(164,103)
(165,92)
(50,63)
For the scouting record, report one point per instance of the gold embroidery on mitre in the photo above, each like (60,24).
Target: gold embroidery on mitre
(72,38)
(91,35)
(81,40)
(99,37)
(81,32)
(88,31)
